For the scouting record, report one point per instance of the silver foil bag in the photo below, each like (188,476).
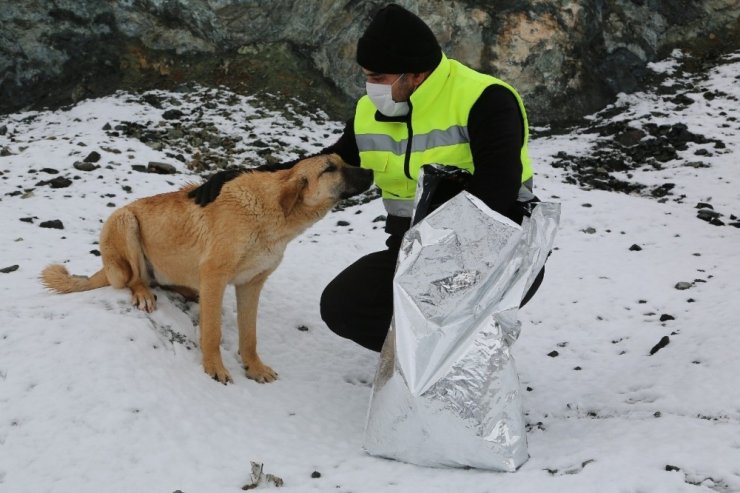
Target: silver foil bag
(447,391)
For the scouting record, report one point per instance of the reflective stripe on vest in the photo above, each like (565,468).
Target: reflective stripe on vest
(455,134)
(437,131)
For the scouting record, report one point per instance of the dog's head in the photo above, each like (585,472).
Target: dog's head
(320,182)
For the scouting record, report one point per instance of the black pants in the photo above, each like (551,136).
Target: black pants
(358,303)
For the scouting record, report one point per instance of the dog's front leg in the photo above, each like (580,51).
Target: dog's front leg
(212,287)
(247,300)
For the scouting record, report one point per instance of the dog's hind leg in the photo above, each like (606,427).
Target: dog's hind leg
(123,258)
(247,300)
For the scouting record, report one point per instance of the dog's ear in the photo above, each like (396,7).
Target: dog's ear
(292,194)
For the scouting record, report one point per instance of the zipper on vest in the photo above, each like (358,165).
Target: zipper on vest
(409,141)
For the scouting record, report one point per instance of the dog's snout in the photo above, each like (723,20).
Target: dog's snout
(356,180)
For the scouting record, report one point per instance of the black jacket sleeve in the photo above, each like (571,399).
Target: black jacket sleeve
(496,130)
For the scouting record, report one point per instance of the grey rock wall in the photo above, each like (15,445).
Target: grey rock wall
(566,57)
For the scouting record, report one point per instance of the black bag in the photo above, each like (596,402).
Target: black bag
(439,183)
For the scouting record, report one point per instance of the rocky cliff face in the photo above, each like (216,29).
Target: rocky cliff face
(566,57)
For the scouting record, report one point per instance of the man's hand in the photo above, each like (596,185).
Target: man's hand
(439,184)
(208,191)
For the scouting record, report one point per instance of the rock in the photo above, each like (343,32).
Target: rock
(93,157)
(709,215)
(343,223)
(59,182)
(107,127)
(8,270)
(716,222)
(83,166)
(682,285)
(635,248)
(697,164)
(161,168)
(665,317)
(315,474)
(553,354)
(302,328)
(53,224)
(566,61)
(153,100)
(662,190)
(49,171)
(27,219)
(682,100)
(3,129)
(172,115)
(661,344)
(630,137)
(589,230)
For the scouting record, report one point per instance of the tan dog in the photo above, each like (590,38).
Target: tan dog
(238,239)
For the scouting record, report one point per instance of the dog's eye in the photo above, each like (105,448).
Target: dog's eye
(329,169)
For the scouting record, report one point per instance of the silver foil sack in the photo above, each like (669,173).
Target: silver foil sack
(447,390)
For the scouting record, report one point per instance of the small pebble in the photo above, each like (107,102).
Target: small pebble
(161,168)
(53,224)
(661,344)
(93,157)
(81,166)
(59,182)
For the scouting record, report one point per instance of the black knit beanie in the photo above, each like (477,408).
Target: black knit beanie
(396,42)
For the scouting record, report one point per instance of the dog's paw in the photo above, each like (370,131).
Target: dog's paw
(260,373)
(218,372)
(144,300)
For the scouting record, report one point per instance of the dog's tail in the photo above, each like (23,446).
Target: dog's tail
(57,278)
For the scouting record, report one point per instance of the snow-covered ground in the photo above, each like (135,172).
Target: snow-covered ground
(96,396)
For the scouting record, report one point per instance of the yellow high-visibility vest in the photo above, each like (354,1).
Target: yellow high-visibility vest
(437,132)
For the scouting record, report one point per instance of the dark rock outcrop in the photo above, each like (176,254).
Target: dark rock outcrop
(566,58)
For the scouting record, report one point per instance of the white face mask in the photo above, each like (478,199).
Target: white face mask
(382,98)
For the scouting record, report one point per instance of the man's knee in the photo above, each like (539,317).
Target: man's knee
(331,312)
